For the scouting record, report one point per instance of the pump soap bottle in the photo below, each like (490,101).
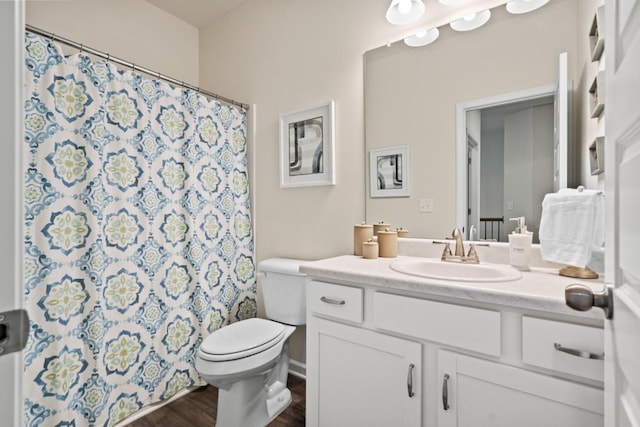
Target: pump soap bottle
(520,245)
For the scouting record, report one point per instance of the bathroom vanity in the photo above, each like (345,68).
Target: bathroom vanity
(386,348)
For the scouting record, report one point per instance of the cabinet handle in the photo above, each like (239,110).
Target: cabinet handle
(579,353)
(410,380)
(445,392)
(333,301)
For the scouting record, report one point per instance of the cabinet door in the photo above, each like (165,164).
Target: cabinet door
(482,393)
(357,377)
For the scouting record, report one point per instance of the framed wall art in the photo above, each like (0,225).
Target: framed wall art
(307,152)
(389,172)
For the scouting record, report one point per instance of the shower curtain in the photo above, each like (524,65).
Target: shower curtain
(138,238)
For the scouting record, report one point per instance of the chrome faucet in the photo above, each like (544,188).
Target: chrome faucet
(458,254)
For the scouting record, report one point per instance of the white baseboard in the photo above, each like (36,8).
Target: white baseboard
(298,369)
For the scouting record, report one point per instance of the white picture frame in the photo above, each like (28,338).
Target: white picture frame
(389,172)
(307,152)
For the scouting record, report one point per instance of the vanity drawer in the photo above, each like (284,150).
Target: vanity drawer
(468,328)
(553,345)
(342,302)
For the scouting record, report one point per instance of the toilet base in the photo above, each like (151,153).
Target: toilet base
(278,403)
(249,403)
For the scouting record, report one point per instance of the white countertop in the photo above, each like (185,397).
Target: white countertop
(540,289)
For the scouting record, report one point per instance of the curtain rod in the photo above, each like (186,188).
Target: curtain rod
(134,67)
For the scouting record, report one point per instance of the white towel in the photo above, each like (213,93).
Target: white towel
(572,225)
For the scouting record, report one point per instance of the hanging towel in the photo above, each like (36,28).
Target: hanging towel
(572,225)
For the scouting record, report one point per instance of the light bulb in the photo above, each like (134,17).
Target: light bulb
(404,6)
(470,17)
(421,34)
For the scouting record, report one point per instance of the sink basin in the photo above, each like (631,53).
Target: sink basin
(437,269)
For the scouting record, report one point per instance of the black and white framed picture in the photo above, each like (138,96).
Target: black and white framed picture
(307,147)
(389,172)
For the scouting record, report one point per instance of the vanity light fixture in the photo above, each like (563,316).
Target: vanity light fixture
(402,12)
(524,6)
(422,38)
(472,21)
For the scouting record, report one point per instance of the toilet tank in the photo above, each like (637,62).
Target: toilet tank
(283,289)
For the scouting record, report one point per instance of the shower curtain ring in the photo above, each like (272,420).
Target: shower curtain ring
(133,67)
(81,48)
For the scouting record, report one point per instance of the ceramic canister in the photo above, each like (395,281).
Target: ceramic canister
(388,242)
(361,233)
(380,226)
(370,249)
(402,232)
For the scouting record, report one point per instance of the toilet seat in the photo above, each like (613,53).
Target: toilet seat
(241,339)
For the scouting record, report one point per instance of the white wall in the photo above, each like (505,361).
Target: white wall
(133,30)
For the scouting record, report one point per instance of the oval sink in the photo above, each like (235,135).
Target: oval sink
(437,269)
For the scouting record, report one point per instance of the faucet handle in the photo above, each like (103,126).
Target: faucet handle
(473,255)
(447,249)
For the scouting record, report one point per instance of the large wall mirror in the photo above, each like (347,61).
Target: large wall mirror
(412,97)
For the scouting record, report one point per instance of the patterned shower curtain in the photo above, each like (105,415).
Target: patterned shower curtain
(138,236)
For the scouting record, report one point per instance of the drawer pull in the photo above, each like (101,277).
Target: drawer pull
(410,380)
(579,353)
(445,392)
(333,301)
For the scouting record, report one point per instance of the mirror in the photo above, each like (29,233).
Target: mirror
(412,96)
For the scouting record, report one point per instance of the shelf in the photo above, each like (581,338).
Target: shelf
(596,34)
(597,95)
(596,156)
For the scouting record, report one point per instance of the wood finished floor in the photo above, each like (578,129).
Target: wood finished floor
(198,409)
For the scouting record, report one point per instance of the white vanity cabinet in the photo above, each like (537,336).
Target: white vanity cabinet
(385,357)
(360,377)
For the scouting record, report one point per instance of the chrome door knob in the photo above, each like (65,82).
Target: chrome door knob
(582,298)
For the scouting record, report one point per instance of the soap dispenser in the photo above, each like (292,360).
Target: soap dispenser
(520,245)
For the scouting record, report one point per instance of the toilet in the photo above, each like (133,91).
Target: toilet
(248,361)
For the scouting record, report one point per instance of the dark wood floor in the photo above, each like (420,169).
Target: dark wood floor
(198,409)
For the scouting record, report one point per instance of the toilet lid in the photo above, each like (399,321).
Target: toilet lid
(243,337)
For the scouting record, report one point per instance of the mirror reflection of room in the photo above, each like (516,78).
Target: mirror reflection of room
(407,104)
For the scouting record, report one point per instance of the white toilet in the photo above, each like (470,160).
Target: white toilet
(248,361)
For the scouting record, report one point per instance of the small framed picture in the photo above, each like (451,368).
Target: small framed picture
(307,147)
(389,172)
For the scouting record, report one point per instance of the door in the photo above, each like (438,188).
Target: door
(561,126)
(473,392)
(361,378)
(622,109)
(11,67)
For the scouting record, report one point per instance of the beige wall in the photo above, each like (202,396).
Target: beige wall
(412,94)
(132,30)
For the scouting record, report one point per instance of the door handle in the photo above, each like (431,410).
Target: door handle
(582,298)
(410,380)
(578,353)
(14,331)
(333,301)
(445,392)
